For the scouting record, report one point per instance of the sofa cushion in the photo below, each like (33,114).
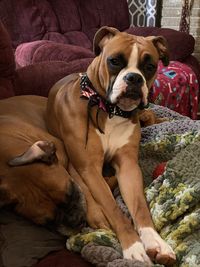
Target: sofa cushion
(97,13)
(72,30)
(73,37)
(47,73)
(24,52)
(7,64)
(181,44)
(27,20)
(6,89)
(67,11)
(78,38)
(38,51)
(63,52)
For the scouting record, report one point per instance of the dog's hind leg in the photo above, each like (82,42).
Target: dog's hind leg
(44,151)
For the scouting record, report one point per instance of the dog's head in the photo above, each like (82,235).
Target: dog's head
(44,194)
(128,65)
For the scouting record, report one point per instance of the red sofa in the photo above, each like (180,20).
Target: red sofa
(50,30)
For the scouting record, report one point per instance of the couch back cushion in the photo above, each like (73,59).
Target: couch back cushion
(181,44)
(67,14)
(27,20)
(65,21)
(69,20)
(95,13)
(77,15)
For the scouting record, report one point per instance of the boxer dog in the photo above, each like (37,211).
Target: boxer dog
(96,114)
(90,118)
(44,193)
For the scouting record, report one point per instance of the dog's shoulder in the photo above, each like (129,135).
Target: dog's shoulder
(64,82)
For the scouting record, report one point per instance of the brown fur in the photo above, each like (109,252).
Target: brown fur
(38,189)
(68,121)
(35,189)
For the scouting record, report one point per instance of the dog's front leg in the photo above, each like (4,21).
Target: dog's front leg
(95,217)
(89,169)
(130,181)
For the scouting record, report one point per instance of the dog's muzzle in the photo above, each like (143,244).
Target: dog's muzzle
(134,83)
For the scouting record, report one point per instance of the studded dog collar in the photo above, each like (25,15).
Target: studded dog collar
(88,91)
(95,99)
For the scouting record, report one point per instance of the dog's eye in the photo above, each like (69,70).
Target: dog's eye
(150,67)
(115,61)
(116,64)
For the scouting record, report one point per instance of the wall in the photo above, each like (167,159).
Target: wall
(171,14)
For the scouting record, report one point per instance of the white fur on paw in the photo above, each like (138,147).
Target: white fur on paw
(152,241)
(136,252)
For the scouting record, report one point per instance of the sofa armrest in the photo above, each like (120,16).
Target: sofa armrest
(38,51)
(37,79)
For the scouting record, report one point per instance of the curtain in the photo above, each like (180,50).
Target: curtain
(142,12)
(185,16)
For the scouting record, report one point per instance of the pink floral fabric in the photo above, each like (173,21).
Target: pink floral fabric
(177,88)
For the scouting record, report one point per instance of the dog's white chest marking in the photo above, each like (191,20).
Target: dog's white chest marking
(117,132)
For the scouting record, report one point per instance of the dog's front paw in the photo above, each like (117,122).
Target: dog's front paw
(147,117)
(157,249)
(137,252)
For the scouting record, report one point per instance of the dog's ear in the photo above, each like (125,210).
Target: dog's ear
(102,36)
(161,45)
(43,151)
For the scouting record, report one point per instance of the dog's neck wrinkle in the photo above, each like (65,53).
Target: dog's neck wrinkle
(93,75)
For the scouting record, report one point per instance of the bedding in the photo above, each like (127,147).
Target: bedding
(174,197)
(177,88)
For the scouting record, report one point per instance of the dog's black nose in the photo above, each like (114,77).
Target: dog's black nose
(133,78)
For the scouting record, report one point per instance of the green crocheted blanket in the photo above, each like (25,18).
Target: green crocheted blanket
(174,197)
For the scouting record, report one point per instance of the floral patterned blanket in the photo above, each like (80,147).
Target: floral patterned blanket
(174,197)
